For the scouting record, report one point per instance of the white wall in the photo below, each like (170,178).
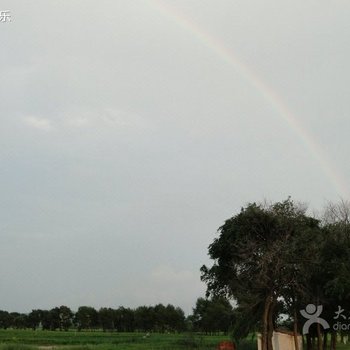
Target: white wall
(282,341)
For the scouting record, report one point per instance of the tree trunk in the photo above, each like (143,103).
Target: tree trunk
(265,322)
(295,330)
(270,326)
(325,341)
(308,342)
(319,337)
(314,344)
(333,340)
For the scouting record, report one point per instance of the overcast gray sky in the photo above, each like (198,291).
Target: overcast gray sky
(130,130)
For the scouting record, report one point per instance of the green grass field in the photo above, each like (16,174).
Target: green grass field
(96,340)
(47,340)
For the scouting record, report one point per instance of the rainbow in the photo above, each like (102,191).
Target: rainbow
(270,96)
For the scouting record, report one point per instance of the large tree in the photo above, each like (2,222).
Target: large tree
(65,317)
(255,258)
(86,318)
(34,319)
(5,319)
(106,318)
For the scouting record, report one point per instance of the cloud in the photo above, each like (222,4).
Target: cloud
(104,118)
(39,123)
(77,122)
(123,118)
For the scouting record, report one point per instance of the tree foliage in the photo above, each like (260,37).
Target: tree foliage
(212,315)
(264,257)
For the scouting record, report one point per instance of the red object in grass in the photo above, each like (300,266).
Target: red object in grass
(226,345)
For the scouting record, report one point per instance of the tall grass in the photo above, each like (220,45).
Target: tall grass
(16,346)
(48,340)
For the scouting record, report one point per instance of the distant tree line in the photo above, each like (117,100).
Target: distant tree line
(208,316)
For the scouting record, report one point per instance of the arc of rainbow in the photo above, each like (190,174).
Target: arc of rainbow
(268,93)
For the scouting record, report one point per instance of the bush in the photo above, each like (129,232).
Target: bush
(247,344)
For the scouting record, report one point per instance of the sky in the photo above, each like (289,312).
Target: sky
(131,130)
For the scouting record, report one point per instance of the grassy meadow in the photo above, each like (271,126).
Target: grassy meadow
(97,340)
